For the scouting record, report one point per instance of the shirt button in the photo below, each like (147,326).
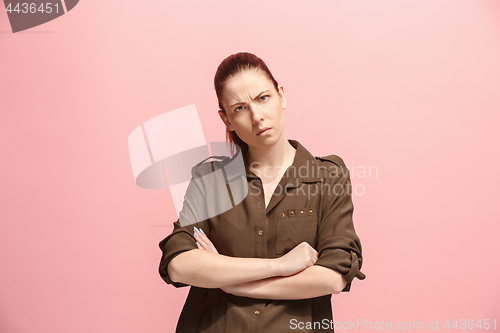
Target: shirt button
(301,212)
(292,212)
(310,211)
(260,232)
(283,214)
(256,312)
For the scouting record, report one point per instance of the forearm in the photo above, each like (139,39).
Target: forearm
(206,269)
(314,281)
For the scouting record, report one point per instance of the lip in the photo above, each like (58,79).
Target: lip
(265,129)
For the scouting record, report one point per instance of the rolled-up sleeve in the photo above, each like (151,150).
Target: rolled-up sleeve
(179,241)
(182,239)
(339,247)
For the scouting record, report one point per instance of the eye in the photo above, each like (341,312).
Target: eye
(238,108)
(266,98)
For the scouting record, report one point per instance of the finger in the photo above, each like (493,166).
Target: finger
(199,236)
(200,240)
(215,249)
(206,241)
(210,245)
(201,247)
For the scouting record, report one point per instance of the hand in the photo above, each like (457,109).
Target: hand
(203,242)
(298,259)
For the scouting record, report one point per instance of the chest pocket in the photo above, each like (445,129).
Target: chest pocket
(294,227)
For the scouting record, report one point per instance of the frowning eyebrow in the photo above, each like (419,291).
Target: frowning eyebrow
(253,99)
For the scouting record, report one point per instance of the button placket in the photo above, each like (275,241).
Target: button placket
(260,243)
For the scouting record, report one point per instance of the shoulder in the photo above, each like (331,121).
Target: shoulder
(335,159)
(206,167)
(334,164)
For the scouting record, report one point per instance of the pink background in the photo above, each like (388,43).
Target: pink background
(410,87)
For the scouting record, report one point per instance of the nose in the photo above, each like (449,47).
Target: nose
(256,114)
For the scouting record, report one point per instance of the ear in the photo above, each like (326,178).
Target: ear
(281,92)
(225,120)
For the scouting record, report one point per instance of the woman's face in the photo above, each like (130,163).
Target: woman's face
(253,104)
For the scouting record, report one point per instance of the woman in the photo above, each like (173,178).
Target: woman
(272,262)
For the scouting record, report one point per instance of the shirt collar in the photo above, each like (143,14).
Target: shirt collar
(304,168)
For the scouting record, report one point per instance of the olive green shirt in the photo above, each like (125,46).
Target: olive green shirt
(313,205)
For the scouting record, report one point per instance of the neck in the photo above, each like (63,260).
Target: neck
(279,155)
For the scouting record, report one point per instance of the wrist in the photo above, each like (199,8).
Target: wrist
(275,267)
